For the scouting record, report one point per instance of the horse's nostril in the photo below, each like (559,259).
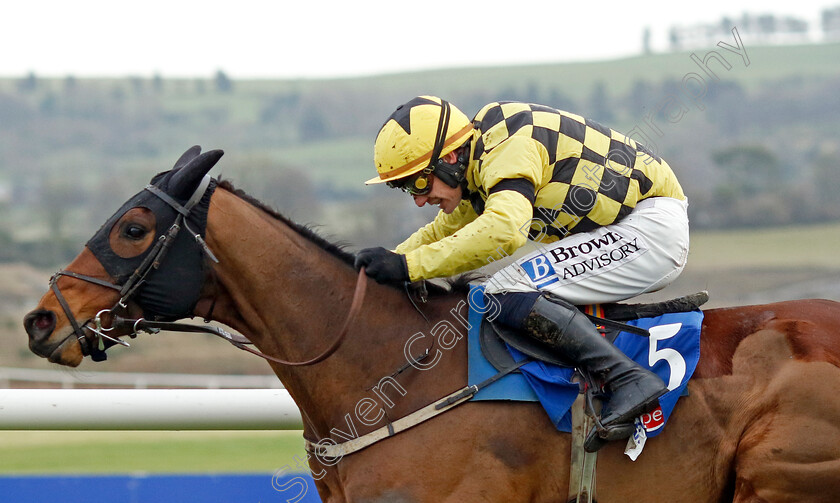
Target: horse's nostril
(42,322)
(39,324)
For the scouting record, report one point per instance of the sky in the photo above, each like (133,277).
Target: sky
(326,38)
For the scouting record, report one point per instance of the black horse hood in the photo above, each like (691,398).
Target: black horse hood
(171,291)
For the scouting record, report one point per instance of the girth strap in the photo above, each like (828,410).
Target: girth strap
(330,449)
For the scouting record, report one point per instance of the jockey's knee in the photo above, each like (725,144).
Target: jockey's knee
(515,306)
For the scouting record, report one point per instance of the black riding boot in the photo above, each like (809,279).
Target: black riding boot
(632,389)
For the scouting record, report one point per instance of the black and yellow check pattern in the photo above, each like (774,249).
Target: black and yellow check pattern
(590,175)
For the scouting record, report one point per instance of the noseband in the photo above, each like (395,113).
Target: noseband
(152,262)
(98,353)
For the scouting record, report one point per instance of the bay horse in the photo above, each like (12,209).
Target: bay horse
(761,422)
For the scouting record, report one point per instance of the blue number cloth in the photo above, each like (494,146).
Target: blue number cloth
(672,352)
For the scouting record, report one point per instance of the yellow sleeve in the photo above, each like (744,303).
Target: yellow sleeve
(517,163)
(499,231)
(443,225)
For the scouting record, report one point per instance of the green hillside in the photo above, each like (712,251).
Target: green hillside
(767,64)
(758,147)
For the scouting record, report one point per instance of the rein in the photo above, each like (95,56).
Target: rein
(155,326)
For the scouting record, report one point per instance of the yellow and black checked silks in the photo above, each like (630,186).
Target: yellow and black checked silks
(590,175)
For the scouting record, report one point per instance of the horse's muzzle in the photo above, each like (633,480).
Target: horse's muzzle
(39,325)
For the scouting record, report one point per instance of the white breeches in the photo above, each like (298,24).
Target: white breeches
(642,253)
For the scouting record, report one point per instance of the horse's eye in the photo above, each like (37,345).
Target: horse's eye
(134,231)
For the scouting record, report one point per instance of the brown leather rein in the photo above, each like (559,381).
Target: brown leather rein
(142,324)
(149,326)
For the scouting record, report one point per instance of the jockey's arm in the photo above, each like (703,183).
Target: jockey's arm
(500,230)
(442,226)
(510,174)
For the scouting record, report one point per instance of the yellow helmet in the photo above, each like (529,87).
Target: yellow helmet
(416,135)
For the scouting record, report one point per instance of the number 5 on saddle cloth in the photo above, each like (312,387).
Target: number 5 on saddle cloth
(671,351)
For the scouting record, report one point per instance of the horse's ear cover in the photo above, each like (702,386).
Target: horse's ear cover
(187,156)
(184,180)
(172,291)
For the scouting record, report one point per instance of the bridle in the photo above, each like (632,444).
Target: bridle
(127,289)
(152,262)
(98,353)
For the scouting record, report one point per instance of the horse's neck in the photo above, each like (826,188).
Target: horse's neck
(290,297)
(275,278)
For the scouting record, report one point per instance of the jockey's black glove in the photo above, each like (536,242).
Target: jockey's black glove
(382,265)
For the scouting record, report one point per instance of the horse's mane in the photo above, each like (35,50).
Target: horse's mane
(456,284)
(334,249)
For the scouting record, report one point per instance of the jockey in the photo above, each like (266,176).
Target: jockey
(596,217)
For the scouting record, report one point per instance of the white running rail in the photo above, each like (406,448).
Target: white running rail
(148,409)
(70,378)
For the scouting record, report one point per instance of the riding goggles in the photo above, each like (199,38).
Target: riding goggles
(416,185)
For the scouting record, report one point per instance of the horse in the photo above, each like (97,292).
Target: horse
(761,422)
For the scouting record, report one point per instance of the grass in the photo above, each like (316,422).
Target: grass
(813,246)
(110,452)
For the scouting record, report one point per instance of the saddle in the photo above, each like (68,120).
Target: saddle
(493,336)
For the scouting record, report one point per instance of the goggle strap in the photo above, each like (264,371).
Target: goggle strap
(440,139)
(440,136)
